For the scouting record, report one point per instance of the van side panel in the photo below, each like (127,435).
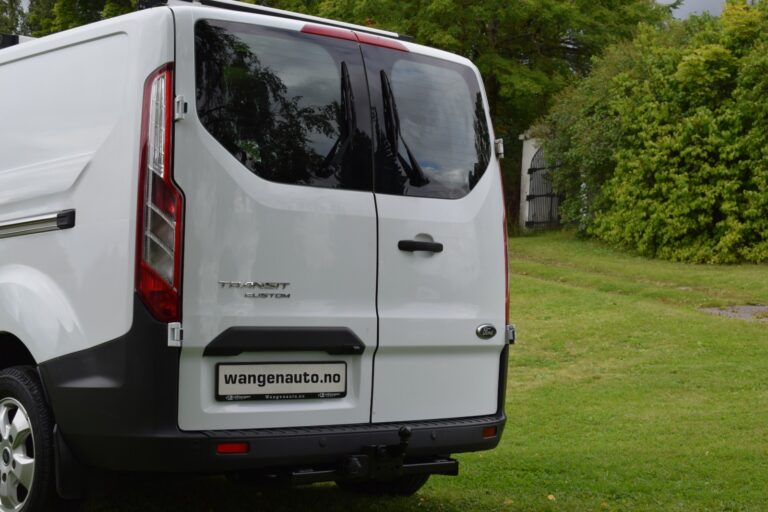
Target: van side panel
(71,108)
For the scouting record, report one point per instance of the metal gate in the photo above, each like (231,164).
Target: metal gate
(543,202)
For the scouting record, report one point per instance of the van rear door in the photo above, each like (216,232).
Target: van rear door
(274,157)
(441,243)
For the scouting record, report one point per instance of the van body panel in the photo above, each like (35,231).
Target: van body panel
(430,363)
(239,227)
(71,105)
(444,188)
(290,244)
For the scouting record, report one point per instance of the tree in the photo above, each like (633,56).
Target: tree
(11,17)
(668,137)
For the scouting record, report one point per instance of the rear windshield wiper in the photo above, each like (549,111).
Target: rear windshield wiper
(411,166)
(347,124)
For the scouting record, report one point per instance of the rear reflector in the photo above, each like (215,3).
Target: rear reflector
(490,432)
(349,35)
(232,448)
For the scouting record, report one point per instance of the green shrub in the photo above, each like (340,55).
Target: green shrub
(664,147)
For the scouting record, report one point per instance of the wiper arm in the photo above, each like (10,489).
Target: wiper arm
(347,125)
(411,166)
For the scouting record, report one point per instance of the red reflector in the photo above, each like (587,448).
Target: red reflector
(338,33)
(232,448)
(384,42)
(490,432)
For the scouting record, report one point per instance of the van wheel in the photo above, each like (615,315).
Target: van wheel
(400,486)
(26,443)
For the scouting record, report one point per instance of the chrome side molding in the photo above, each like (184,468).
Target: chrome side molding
(64,219)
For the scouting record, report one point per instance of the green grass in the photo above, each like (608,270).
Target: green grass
(621,396)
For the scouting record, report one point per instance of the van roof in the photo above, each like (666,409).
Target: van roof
(269,11)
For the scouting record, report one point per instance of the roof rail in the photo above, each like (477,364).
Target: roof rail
(269,11)
(8,40)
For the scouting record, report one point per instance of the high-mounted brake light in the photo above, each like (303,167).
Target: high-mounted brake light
(158,244)
(321,30)
(351,35)
(384,42)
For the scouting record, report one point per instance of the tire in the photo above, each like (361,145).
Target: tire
(27,479)
(400,486)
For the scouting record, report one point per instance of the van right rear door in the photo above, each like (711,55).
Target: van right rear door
(442,262)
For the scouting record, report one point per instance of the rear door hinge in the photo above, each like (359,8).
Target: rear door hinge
(511,334)
(179,108)
(175,334)
(499,145)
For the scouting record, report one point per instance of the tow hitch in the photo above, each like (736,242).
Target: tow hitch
(380,461)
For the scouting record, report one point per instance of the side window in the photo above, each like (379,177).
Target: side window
(291,107)
(431,132)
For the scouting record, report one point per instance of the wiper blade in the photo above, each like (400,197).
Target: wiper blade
(394,136)
(347,123)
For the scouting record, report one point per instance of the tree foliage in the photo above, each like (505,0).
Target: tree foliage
(664,148)
(11,17)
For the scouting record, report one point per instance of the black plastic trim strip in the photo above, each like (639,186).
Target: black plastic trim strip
(332,340)
(8,40)
(65,219)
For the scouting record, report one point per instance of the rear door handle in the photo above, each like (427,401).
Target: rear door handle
(418,245)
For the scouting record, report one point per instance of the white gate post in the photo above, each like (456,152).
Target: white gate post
(530,147)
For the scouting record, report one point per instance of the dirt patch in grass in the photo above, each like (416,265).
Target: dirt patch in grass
(759,313)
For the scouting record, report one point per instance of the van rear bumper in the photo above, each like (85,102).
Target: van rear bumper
(116,408)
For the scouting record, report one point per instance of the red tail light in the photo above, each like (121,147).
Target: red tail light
(158,244)
(506,246)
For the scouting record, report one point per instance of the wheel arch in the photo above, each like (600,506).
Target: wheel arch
(37,312)
(14,352)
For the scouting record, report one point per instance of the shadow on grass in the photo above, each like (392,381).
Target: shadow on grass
(216,494)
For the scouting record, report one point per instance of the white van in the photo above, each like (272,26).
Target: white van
(244,241)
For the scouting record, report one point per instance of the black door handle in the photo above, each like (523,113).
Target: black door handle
(417,245)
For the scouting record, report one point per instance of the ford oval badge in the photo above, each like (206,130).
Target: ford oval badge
(486,331)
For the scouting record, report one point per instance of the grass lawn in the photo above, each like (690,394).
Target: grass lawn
(621,396)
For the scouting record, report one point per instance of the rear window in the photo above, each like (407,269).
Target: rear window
(298,108)
(432,135)
(283,103)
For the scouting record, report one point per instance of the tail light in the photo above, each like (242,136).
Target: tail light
(506,247)
(158,245)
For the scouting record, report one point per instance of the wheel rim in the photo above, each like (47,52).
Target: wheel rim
(17,455)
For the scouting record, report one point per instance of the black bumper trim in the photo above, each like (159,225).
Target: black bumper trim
(116,408)
(333,340)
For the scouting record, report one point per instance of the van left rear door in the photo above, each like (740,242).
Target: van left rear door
(279,282)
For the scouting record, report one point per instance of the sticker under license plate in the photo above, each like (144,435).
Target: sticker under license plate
(281,381)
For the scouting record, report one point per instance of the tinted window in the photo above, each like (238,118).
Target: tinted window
(291,107)
(430,128)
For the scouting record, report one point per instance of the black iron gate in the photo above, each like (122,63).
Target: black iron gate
(543,202)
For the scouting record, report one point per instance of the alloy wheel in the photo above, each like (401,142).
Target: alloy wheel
(17,455)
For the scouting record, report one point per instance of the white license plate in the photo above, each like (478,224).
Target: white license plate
(281,381)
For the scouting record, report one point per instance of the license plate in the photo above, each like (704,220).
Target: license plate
(280,381)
